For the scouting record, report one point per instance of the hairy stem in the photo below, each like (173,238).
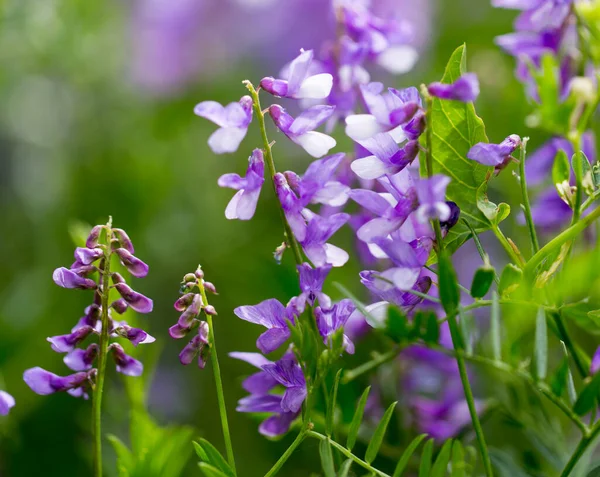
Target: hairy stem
(287,454)
(218,382)
(102,355)
(535,245)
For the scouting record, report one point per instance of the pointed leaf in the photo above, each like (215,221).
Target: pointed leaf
(345,468)
(561,170)
(407,454)
(425,467)
(588,396)
(202,455)
(210,471)
(441,462)
(495,329)
(332,402)
(357,419)
(326,458)
(215,458)
(541,345)
(459,465)
(570,382)
(125,461)
(379,434)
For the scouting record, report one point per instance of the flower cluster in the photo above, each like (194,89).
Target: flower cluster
(94,260)
(191,304)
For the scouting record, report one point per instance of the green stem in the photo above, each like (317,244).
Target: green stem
(370,365)
(514,256)
(287,454)
(479,247)
(102,355)
(584,443)
(348,454)
(290,238)
(564,336)
(559,240)
(218,382)
(535,244)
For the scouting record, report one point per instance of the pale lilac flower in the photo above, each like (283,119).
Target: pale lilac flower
(81,359)
(387,157)
(44,382)
(66,343)
(329,320)
(549,211)
(496,155)
(6,403)
(87,256)
(125,364)
(272,315)
(537,15)
(299,83)
(465,89)
(289,374)
(595,365)
(243,204)
(386,112)
(260,382)
(389,293)
(311,284)
(301,130)
(233,121)
(318,231)
(431,193)
(277,424)
(66,278)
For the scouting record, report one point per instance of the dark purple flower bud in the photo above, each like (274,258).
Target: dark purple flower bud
(184,301)
(66,343)
(117,278)
(44,382)
(6,402)
(404,114)
(177,331)
(415,127)
(91,318)
(497,155)
(135,266)
(465,89)
(120,306)
(86,256)
(210,287)
(187,317)
(93,237)
(135,300)
(210,310)
(293,180)
(81,359)
(595,366)
(125,364)
(197,346)
(199,273)
(66,278)
(124,240)
(454,216)
(135,335)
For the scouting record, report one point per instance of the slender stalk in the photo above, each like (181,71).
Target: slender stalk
(535,244)
(453,324)
(508,246)
(218,382)
(479,247)
(564,336)
(287,454)
(102,355)
(370,365)
(583,445)
(348,454)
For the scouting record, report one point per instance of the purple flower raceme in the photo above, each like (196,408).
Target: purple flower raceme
(319,230)
(96,257)
(243,204)
(6,403)
(233,121)
(465,89)
(299,83)
(301,130)
(496,155)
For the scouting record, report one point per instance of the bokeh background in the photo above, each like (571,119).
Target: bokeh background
(96,119)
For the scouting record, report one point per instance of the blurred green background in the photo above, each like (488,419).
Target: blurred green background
(96,119)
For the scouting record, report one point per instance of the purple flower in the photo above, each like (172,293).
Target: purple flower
(135,335)
(66,343)
(81,359)
(465,89)
(87,256)
(6,403)
(537,14)
(243,204)
(595,366)
(125,364)
(318,230)
(549,211)
(119,305)
(301,130)
(260,382)
(387,157)
(233,121)
(135,300)
(389,293)
(311,284)
(94,236)
(289,374)
(272,315)
(391,209)
(123,239)
(66,278)
(335,318)
(186,319)
(496,155)
(386,112)
(44,382)
(299,83)
(133,264)
(432,199)
(198,346)
(275,425)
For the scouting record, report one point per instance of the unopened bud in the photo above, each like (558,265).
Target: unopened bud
(124,239)
(94,236)
(210,310)
(189,277)
(117,278)
(183,302)
(199,273)
(120,306)
(209,286)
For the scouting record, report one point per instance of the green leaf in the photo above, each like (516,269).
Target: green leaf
(448,284)
(332,402)
(397,327)
(378,435)
(455,129)
(541,345)
(482,281)
(125,461)
(588,397)
(215,458)
(326,458)
(558,383)
(494,213)
(345,468)
(458,460)
(561,170)
(495,328)
(202,455)
(210,471)
(570,381)
(407,454)
(425,467)
(432,329)
(441,462)
(510,279)
(583,315)
(357,419)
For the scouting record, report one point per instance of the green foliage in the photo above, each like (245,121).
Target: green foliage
(541,345)
(510,279)
(424,326)
(345,468)
(378,435)
(448,284)
(588,397)
(425,467)
(326,458)
(209,454)
(443,458)
(330,418)
(407,454)
(482,281)
(357,419)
